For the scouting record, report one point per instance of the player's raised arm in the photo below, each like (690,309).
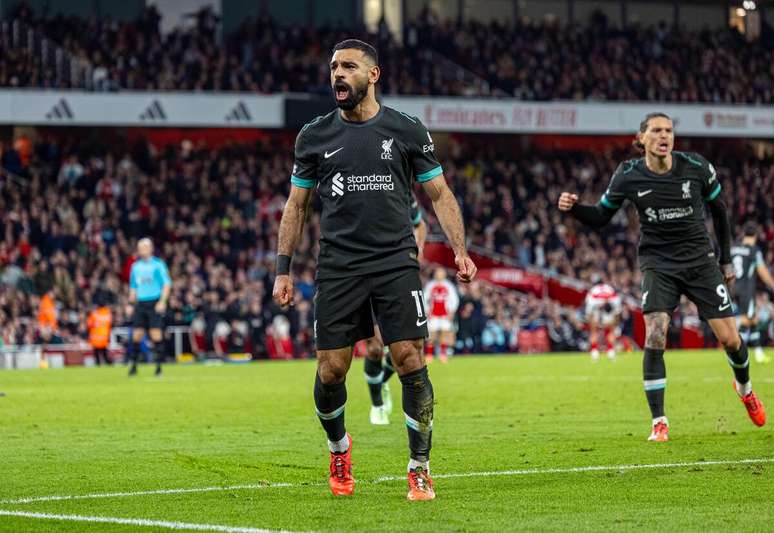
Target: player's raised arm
(595,216)
(598,215)
(448,212)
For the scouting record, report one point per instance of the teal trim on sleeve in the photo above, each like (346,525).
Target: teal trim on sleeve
(417,219)
(689,158)
(412,119)
(299,182)
(714,193)
(629,165)
(607,203)
(430,174)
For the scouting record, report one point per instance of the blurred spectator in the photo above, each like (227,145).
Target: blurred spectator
(278,341)
(47,319)
(467,330)
(99,323)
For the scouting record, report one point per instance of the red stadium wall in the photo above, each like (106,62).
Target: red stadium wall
(566,293)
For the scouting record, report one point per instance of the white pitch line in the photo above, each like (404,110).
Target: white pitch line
(145,493)
(384,479)
(139,522)
(581,469)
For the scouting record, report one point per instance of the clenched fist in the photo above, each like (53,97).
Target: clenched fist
(283,290)
(567,200)
(466,268)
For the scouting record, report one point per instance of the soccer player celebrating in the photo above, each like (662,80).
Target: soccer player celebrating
(363,159)
(670,189)
(149,287)
(747,261)
(378,361)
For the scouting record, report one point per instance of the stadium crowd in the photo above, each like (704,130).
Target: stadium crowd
(71,214)
(533,60)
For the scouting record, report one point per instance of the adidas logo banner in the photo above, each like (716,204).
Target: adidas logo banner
(240,113)
(244,110)
(154,112)
(60,111)
(141,108)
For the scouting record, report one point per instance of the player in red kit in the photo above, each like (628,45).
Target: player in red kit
(441,300)
(603,311)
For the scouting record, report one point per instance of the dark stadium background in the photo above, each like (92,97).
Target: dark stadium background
(177,120)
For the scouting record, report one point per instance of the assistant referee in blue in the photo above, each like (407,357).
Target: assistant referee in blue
(149,288)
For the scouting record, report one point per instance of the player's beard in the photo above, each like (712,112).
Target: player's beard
(354,95)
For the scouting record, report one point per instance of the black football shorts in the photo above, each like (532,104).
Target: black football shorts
(343,308)
(146,317)
(703,285)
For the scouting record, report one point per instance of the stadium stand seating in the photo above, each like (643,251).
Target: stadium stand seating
(528,60)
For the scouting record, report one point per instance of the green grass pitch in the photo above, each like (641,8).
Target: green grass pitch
(92,430)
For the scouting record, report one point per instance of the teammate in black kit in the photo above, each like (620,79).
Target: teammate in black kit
(670,190)
(378,361)
(363,159)
(748,264)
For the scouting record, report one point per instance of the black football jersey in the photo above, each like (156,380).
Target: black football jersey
(745,259)
(670,208)
(364,173)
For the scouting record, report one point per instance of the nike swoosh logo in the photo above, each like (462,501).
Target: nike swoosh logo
(724,307)
(421,322)
(327,155)
(643,193)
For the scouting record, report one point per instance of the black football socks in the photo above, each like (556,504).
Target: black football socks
(654,380)
(374,376)
(418,407)
(329,401)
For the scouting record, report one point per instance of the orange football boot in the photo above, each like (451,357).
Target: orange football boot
(660,432)
(754,407)
(341,481)
(420,485)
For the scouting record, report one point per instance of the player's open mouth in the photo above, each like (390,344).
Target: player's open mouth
(341,91)
(663,147)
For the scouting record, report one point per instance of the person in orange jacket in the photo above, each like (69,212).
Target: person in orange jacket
(47,316)
(99,323)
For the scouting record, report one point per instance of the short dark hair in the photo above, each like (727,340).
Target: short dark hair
(750,229)
(644,126)
(357,44)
